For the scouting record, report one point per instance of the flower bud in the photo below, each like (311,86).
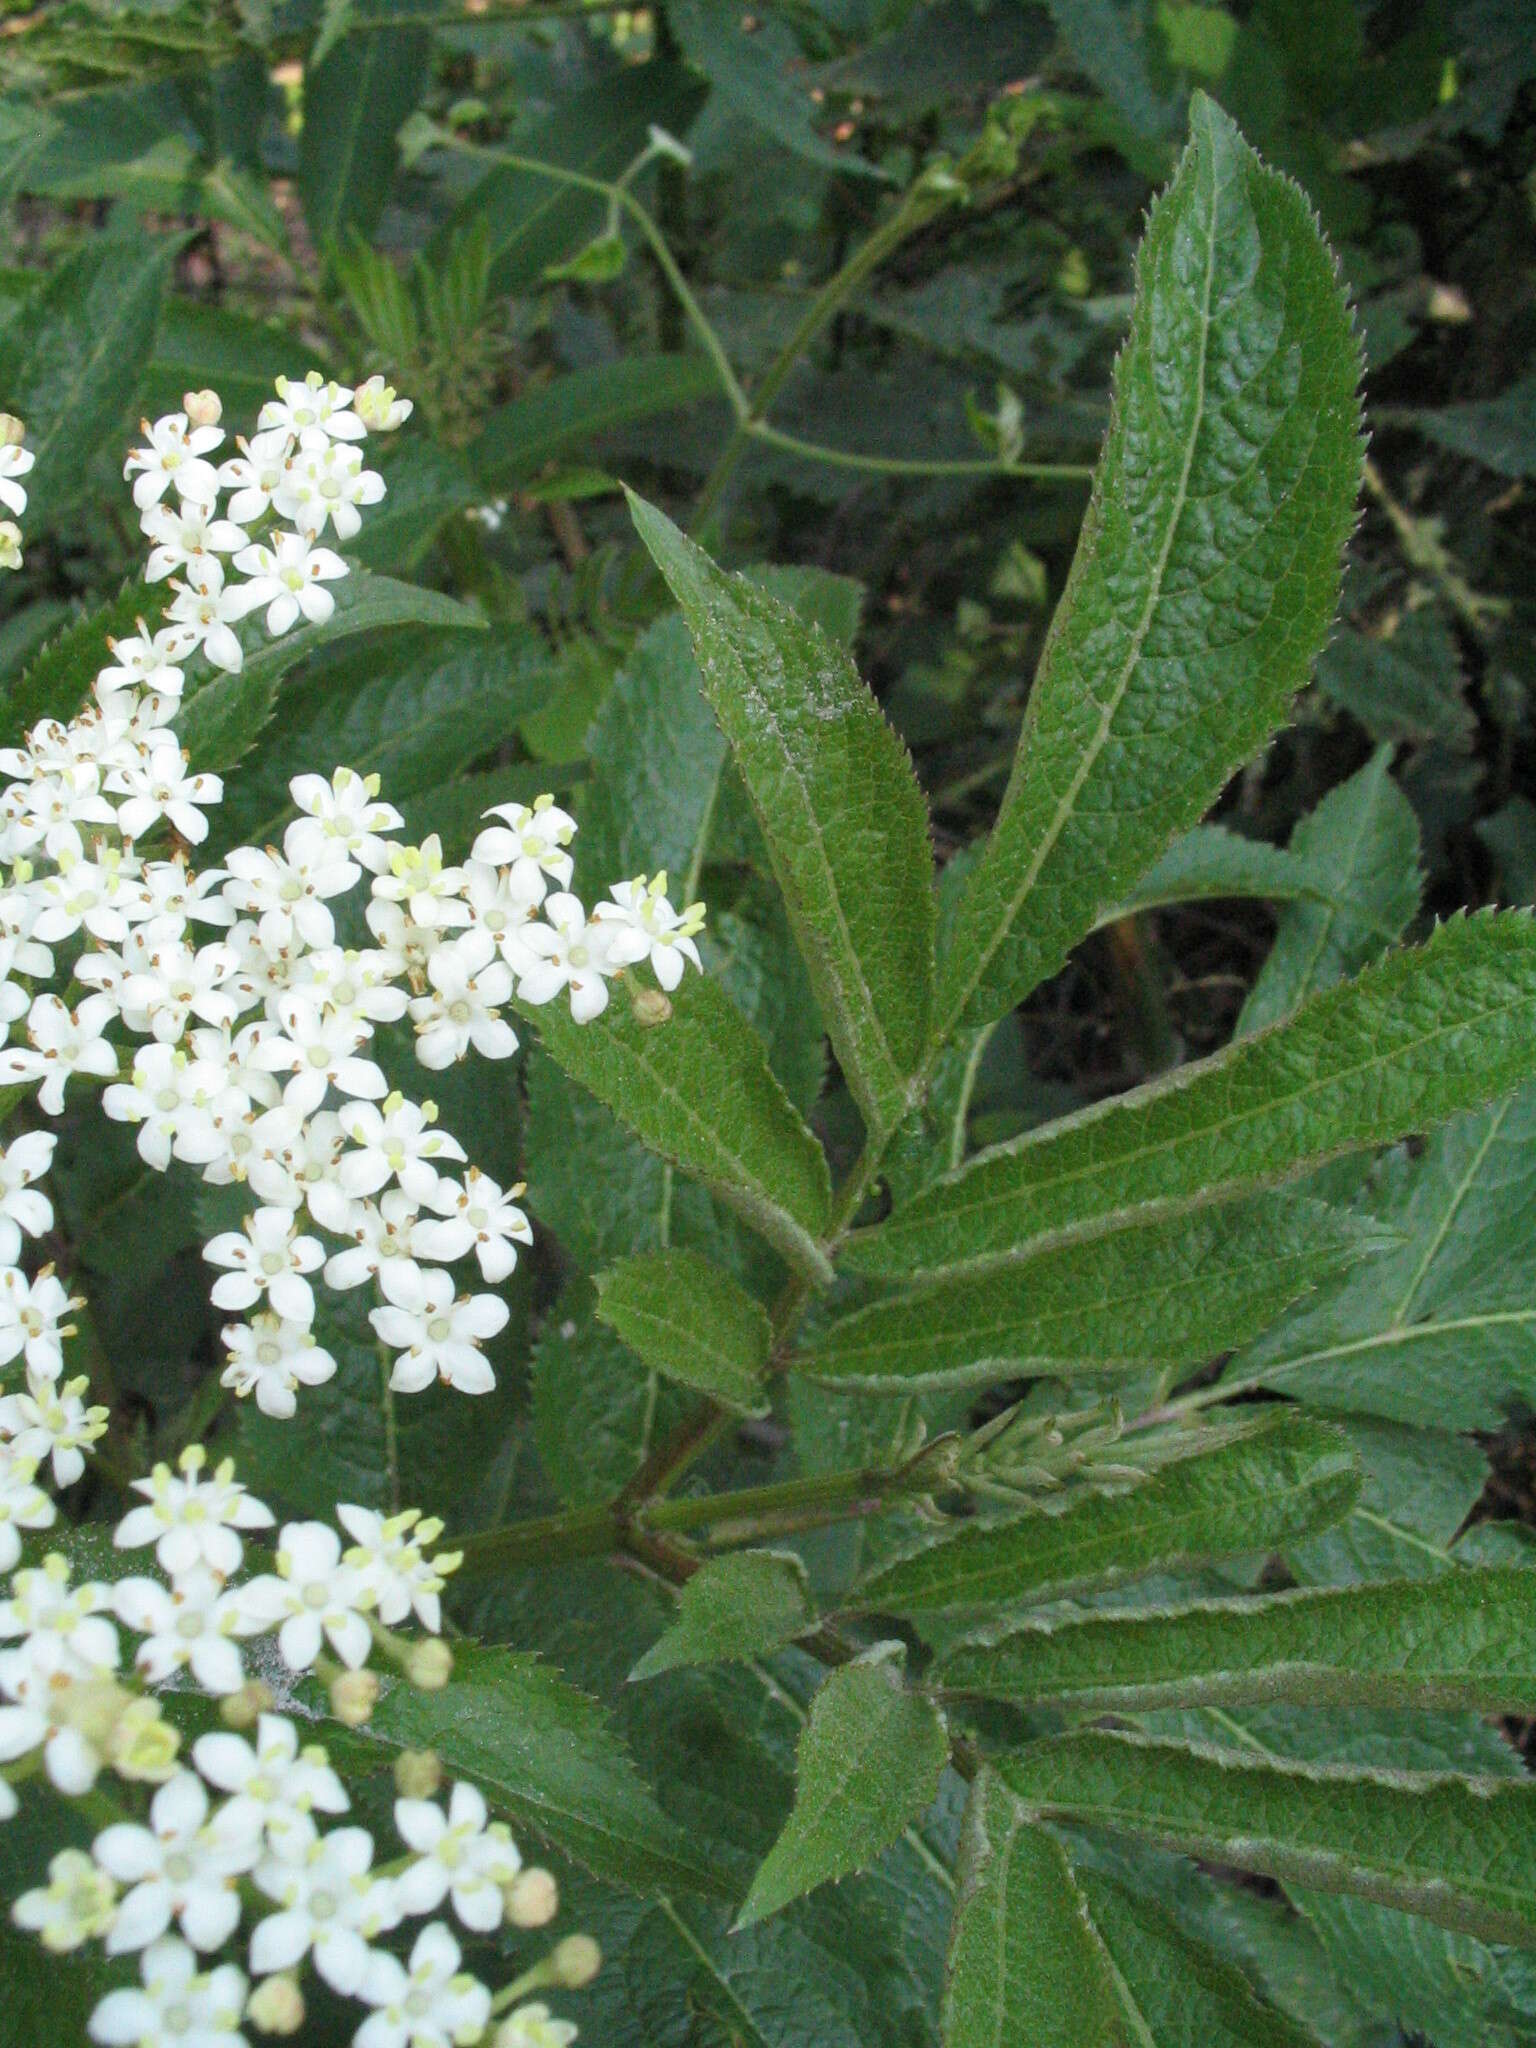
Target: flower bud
(533,1898)
(354,1695)
(418,1773)
(576,1961)
(202,408)
(532,2027)
(244,1708)
(276,2006)
(429,1665)
(10,544)
(651,1006)
(12,431)
(143,1746)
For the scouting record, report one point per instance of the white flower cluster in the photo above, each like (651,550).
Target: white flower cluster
(247,1821)
(15,463)
(258,1025)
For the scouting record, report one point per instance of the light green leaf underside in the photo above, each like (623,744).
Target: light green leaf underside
(1424,1033)
(1459,1851)
(698,1091)
(839,806)
(1206,576)
(1172,1293)
(691,1322)
(737,1607)
(868,1764)
(1263,1485)
(1463,1639)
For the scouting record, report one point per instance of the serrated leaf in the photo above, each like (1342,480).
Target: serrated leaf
(70,369)
(546,1756)
(834,793)
(1206,576)
(597,1408)
(1364,834)
(1264,1484)
(56,683)
(697,1089)
(692,1323)
(1424,1033)
(736,1607)
(1463,1639)
(1172,1293)
(1456,1850)
(354,103)
(868,1764)
(570,412)
(1024,1965)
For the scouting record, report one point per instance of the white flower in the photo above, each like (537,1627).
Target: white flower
(168,982)
(287,891)
(32,1320)
(175,1100)
(77,1904)
(417,878)
(193,1624)
(63,1629)
(393,1140)
(320,1049)
(644,926)
(191,1520)
(439,1337)
(499,907)
(469,982)
(182,534)
(269,1258)
(22,1206)
(174,456)
(178,893)
(348,808)
(462,1855)
(377,407)
(23,1503)
(210,612)
(255,475)
(63,1042)
(331,1905)
(148,661)
(570,953)
(530,844)
(288,577)
(491,1214)
(54,1423)
(390,1240)
(158,786)
(531,2026)
(327,482)
(99,889)
(179,1867)
(291,1153)
(273,1784)
(313,410)
(311,1594)
(269,1357)
(433,2004)
(15,461)
(179,2006)
(390,1552)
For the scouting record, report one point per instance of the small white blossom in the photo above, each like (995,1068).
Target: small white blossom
(417,879)
(178,1867)
(331,1905)
(23,1503)
(571,954)
(289,575)
(390,1240)
(209,610)
(32,1323)
(327,483)
(76,1905)
(183,533)
(469,983)
(273,1784)
(463,1856)
(429,2004)
(644,926)
(312,1594)
(268,1258)
(158,786)
(287,892)
(148,661)
(439,1337)
(175,1100)
(321,1049)
(15,461)
(63,1629)
(192,1520)
(531,2026)
(174,456)
(52,1423)
(24,1207)
(62,1042)
(255,475)
(390,1552)
(378,408)
(394,1140)
(192,1624)
(312,410)
(178,2007)
(530,844)
(269,1357)
(498,1226)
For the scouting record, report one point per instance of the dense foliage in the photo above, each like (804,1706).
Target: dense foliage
(873,719)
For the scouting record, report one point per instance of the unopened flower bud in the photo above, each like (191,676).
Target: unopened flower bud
(12,431)
(532,2026)
(418,1773)
(533,1898)
(244,1708)
(10,544)
(276,2006)
(143,1746)
(202,408)
(354,1695)
(576,1961)
(652,1007)
(429,1665)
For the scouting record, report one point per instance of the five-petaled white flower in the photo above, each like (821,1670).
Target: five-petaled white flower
(179,2005)
(312,1595)
(193,1624)
(174,455)
(272,1783)
(330,1904)
(75,1906)
(191,1520)
(180,1867)
(439,1337)
(289,576)
(268,1258)
(430,2003)
(53,1423)
(271,1356)
(390,1552)
(32,1321)
(463,1856)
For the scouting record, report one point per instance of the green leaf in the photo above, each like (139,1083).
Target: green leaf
(546,1756)
(1456,1850)
(869,1763)
(1206,576)
(71,367)
(1211,864)
(1172,1293)
(834,793)
(1262,1485)
(1464,1639)
(1441,1333)
(573,410)
(354,104)
(1426,1032)
(735,1608)
(758,75)
(1110,42)
(692,1323)
(1406,685)
(697,1089)
(59,680)
(1498,432)
(1024,1966)
(597,1409)
(238,355)
(1365,835)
